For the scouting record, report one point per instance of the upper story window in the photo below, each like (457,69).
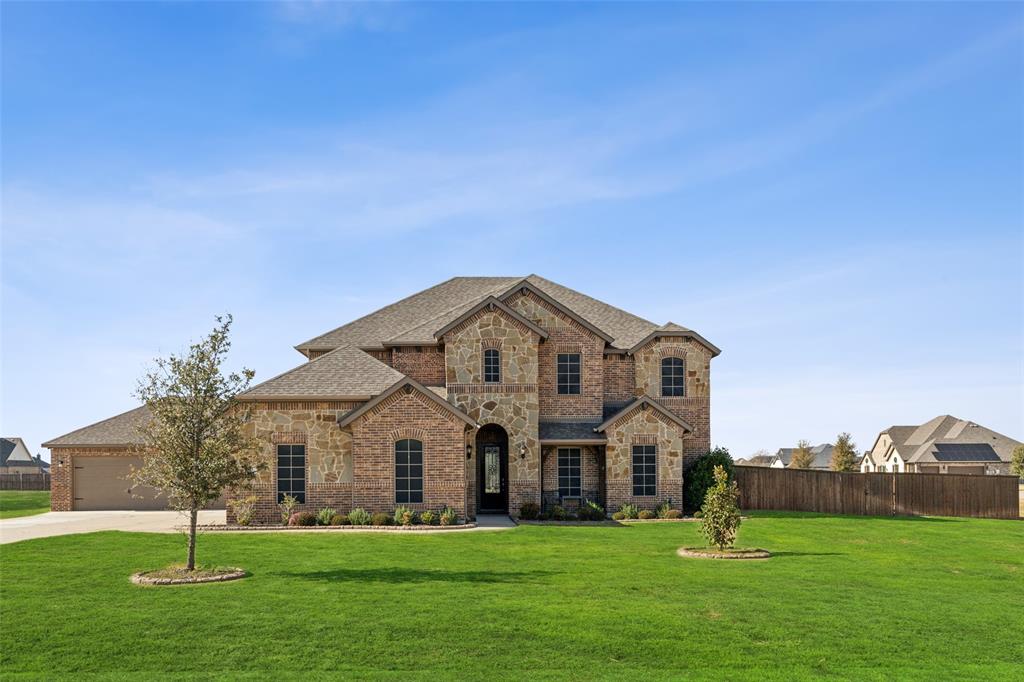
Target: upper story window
(568,373)
(645,477)
(291,472)
(492,366)
(408,471)
(673,377)
(569,472)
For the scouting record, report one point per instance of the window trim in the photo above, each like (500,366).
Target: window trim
(491,352)
(570,452)
(644,485)
(669,362)
(300,495)
(558,374)
(409,493)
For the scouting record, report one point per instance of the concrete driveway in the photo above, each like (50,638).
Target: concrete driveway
(69,523)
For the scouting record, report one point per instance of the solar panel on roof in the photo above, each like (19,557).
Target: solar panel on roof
(965,452)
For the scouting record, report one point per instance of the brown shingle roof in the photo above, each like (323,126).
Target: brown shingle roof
(344,373)
(121,430)
(415,319)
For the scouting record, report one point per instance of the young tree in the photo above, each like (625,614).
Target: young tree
(194,445)
(803,458)
(844,454)
(1017,461)
(720,517)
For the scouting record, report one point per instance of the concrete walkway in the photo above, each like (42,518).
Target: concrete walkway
(68,523)
(494,521)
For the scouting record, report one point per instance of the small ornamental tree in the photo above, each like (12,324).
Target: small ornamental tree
(194,444)
(844,454)
(720,517)
(1017,461)
(700,476)
(803,458)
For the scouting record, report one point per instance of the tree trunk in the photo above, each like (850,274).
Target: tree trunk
(193,517)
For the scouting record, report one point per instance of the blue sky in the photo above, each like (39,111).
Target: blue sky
(832,193)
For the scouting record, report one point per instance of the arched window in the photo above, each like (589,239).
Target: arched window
(492,366)
(408,471)
(673,377)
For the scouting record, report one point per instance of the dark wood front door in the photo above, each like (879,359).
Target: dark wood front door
(492,469)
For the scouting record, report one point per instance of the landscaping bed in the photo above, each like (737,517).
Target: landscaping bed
(177,575)
(328,529)
(734,553)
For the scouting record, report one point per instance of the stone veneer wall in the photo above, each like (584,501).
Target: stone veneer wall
(566,335)
(511,404)
(591,471)
(409,414)
(425,364)
(329,455)
(644,427)
(695,407)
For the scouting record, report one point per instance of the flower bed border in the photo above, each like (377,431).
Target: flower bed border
(270,528)
(142,578)
(704,553)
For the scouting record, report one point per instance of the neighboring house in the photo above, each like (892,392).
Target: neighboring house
(944,445)
(16,459)
(822,457)
(757,461)
(480,393)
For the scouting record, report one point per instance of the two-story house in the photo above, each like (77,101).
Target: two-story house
(480,393)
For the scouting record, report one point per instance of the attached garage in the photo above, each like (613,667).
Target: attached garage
(89,468)
(101,483)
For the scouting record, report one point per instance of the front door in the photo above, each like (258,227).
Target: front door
(493,477)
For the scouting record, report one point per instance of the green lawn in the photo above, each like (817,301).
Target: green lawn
(23,503)
(848,598)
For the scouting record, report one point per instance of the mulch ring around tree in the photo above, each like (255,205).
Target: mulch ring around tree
(177,575)
(709,553)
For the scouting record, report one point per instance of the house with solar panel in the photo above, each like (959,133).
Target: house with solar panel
(943,445)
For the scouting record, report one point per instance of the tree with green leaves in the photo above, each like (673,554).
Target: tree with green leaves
(802,458)
(720,515)
(1017,461)
(195,444)
(699,476)
(844,454)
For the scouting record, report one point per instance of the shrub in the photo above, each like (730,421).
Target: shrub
(662,509)
(557,512)
(380,519)
(404,516)
(700,476)
(303,518)
(721,515)
(646,514)
(673,514)
(543,516)
(287,506)
(245,509)
(359,517)
(429,518)
(339,520)
(449,517)
(618,516)
(593,511)
(324,516)
(630,511)
(697,514)
(529,511)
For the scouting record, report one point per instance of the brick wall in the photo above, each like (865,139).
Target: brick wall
(565,336)
(619,378)
(591,470)
(425,364)
(62,472)
(409,415)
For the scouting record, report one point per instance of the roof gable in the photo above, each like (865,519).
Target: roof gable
(408,384)
(345,373)
(672,329)
(643,403)
(527,286)
(119,431)
(490,304)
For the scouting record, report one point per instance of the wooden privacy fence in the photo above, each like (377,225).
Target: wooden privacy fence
(832,492)
(24,481)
